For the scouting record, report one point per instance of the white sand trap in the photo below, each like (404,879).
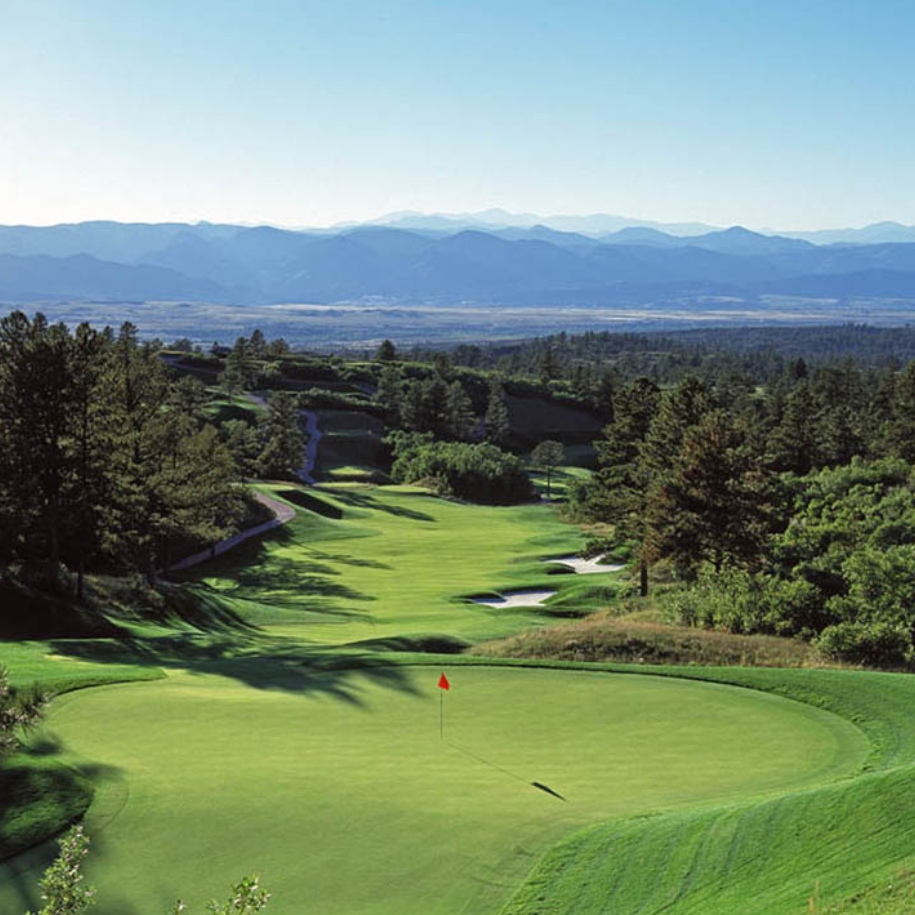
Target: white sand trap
(514,599)
(587,566)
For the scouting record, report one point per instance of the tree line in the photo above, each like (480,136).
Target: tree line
(107,459)
(787,508)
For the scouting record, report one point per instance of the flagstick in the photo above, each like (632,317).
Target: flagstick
(441,714)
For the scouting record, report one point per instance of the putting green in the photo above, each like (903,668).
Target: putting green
(336,787)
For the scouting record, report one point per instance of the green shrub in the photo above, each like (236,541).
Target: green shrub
(741,601)
(876,644)
(477,473)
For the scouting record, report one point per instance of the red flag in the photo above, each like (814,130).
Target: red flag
(443,682)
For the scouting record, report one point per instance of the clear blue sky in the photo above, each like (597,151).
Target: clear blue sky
(778,113)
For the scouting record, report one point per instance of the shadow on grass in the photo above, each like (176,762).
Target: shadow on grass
(261,575)
(44,791)
(429,644)
(363,500)
(297,577)
(257,662)
(357,562)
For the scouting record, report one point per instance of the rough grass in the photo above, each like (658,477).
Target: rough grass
(604,638)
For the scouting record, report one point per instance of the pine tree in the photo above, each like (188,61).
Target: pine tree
(388,393)
(284,442)
(461,419)
(36,411)
(547,456)
(386,352)
(497,420)
(715,505)
(88,489)
(621,487)
(240,370)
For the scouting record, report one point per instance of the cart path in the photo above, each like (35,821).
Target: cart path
(306,471)
(283,514)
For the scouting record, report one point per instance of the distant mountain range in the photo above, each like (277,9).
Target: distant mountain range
(442,260)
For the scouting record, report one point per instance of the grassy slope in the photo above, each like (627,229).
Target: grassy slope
(41,795)
(763,857)
(335,786)
(398,563)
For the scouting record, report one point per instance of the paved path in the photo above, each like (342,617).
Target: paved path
(311,447)
(305,472)
(281,510)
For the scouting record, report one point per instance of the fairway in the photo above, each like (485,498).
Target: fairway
(398,563)
(338,790)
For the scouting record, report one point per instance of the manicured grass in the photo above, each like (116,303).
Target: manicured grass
(398,563)
(56,670)
(335,786)
(560,478)
(40,795)
(308,749)
(764,857)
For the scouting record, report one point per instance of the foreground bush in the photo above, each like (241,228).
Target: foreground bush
(64,892)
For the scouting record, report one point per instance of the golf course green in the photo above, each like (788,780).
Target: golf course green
(338,789)
(299,734)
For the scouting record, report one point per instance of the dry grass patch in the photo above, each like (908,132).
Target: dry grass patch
(602,638)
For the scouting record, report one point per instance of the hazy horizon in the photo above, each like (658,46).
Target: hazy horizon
(380,220)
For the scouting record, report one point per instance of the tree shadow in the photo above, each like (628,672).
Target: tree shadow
(21,872)
(294,577)
(261,663)
(351,561)
(363,500)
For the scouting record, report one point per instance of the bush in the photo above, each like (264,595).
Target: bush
(876,644)
(740,601)
(477,473)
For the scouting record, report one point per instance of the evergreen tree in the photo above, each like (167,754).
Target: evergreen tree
(241,368)
(244,445)
(715,504)
(388,393)
(386,352)
(257,344)
(621,486)
(284,442)
(497,420)
(547,456)
(901,428)
(89,486)
(793,443)
(36,395)
(461,419)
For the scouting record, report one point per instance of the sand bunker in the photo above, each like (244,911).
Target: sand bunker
(586,566)
(514,599)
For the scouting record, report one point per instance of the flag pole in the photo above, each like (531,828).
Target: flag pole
(443,684)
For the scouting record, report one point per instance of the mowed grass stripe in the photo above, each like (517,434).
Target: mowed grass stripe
(345,799)
(760,858)
(398,563)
